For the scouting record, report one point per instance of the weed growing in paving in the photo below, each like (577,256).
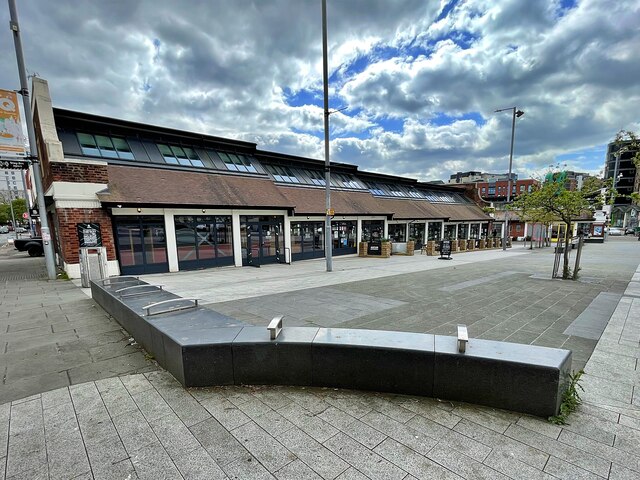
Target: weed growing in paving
(570,399)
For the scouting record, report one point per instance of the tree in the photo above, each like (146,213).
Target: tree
(19,207)
(552,201)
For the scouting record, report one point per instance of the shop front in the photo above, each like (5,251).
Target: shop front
(141,245)
(262,240)
(203,241)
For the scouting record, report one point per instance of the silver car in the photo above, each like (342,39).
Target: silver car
(617,231)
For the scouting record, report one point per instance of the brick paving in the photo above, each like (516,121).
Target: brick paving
(145,425)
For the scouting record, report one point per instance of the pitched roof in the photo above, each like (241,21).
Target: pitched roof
(134,185)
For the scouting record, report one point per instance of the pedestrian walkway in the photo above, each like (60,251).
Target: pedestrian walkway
(145,425)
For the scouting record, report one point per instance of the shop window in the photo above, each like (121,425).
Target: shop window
(372,230)
(184,156)
(237,162)
(106,147)
(398,232)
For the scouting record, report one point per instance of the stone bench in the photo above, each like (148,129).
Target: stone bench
(201,347)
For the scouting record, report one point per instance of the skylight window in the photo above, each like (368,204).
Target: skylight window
(282,174)
(103,146)
(237,162)
(316,177)
(184,156)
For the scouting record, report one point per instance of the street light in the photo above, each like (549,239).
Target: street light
(516,113)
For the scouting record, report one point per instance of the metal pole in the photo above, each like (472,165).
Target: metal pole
(327,164)
(13,216)
(27,203)
(506,211)
(37,178)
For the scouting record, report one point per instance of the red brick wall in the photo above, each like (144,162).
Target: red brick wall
(68,218)
(77,172)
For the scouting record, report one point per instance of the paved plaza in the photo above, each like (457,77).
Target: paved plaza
(120,416)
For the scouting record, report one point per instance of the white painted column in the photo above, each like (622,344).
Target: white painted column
(237,240)
(385,230)
(287,239)
(170,235)
(359,234)
(426,232)
(441,231)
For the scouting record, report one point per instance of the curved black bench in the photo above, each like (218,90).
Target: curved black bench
(201,347)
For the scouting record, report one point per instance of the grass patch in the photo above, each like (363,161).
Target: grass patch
(570,399)
(63,275)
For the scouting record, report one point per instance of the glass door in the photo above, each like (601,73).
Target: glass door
(141,245)
(262,240)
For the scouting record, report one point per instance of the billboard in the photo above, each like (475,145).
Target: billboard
(12,140)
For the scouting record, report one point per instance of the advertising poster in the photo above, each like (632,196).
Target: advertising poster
(12,140)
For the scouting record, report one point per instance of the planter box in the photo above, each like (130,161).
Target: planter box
(411,246)
(471,244)
(386,249)
(431,248)
(462,245)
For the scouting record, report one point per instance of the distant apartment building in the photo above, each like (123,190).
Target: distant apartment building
(496,191)
(11,186)
(620,167)
(473,177)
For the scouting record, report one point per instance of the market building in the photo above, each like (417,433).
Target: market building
(164,200)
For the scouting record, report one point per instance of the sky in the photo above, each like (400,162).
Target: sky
(414,83)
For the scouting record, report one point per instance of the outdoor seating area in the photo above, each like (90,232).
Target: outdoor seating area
(201,347)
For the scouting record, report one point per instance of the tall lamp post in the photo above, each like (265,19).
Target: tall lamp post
(35,163)
(327,163)
(515,113)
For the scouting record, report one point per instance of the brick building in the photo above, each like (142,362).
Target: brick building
(168,200)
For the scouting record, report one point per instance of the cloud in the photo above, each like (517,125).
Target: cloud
(401,67)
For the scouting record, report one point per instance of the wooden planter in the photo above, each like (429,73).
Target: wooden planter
(362,249)
(454,246)
(411,246)
(462,245)
(471,244)
(431,248)
(483,244)
(386,250)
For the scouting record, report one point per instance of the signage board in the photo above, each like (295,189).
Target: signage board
(89,234)
(6,164)
(12,140)
(374,248)
(331,212)
(445,248)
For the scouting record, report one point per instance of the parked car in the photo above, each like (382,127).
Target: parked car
(31,245)
(21,230)
(617,231)
(4,229)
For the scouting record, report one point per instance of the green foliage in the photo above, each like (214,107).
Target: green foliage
(570,399)
(63,275)
(19,207)
(553,202)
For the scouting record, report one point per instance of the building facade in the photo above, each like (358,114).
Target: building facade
(11,185)
(621,169)
(163,200)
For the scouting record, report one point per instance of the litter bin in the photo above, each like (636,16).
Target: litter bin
(93,264)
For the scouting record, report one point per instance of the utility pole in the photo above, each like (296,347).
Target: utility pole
(327,164)
(33,147)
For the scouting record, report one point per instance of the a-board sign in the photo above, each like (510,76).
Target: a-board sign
(374,248)
(445,248)
(89,235)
